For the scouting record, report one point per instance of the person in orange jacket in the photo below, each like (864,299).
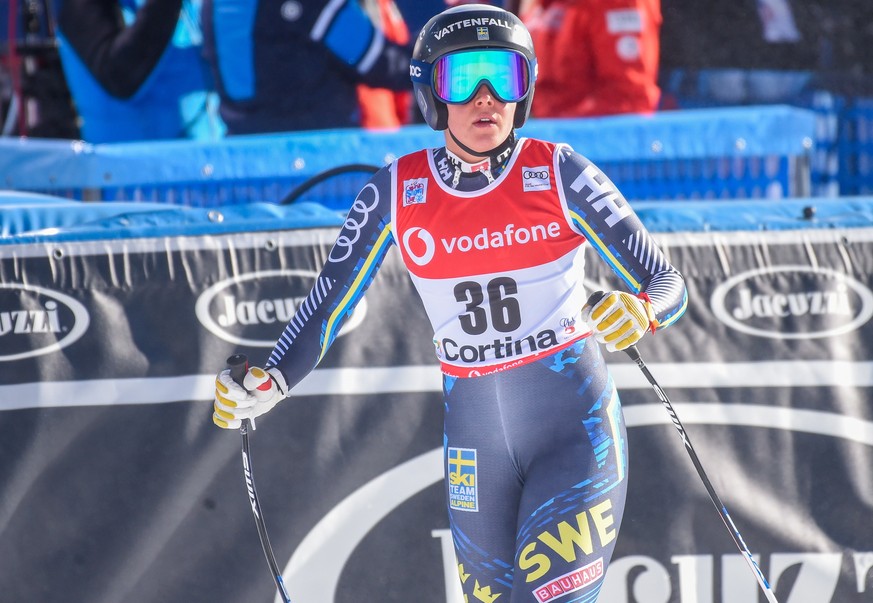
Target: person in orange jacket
(596,57)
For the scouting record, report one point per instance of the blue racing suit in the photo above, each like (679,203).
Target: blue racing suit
(535,443)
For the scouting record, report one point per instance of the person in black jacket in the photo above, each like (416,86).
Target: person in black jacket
(285,65)
(763,51)
(136,71)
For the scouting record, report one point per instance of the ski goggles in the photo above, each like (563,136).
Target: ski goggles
(456,77)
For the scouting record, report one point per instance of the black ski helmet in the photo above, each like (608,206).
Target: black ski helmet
(461,28)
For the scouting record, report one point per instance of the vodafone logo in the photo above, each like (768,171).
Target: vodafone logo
(419,245)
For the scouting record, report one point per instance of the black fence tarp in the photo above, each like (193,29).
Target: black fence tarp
(117,487)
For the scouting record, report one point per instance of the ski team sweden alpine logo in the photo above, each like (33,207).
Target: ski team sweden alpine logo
(414,191)
(482,33)
(463,490)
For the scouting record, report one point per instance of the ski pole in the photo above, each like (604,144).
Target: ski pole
(722,510)
(238,364)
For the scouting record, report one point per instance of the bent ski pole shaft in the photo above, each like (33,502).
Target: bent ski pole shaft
(722,510)
(238,364)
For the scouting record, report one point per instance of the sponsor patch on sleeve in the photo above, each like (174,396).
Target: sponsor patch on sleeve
(627,20)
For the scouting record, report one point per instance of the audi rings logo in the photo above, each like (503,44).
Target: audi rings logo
(414,250)
(36,321)
(253,309)
(792,302)
(535,178)
(358,217)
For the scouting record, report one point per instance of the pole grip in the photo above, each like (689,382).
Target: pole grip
(238,365)
(595,297)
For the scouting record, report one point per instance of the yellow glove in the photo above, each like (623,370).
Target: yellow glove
(261,392)
(619,319)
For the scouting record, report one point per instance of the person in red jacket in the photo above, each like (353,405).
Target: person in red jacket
(383,107)
(596,57)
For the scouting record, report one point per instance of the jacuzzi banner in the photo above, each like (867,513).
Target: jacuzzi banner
(117,487)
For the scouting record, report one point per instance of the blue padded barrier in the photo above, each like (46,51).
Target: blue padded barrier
(855,146)
(842,154)
(25,218)
(723,153)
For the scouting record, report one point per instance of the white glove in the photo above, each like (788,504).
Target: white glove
(233,404)
(619,319)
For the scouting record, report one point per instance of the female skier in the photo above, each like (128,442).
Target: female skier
(493,229)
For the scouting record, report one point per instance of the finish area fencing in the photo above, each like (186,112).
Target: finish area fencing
(720,153)
(116,486)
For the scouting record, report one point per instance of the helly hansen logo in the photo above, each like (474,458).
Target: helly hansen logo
(600,194)
(535,178)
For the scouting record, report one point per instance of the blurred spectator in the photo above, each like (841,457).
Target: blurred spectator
(417,12)
(596,57)
(763,51)
(34,97)
(382,107)
(285,65)
(135,69)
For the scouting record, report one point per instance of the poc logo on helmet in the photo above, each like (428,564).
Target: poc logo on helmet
(535,178)
(414,71)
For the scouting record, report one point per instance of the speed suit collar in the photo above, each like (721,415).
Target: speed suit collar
(491,164)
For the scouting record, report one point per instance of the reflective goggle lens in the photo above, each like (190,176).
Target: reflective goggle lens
(456,77)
